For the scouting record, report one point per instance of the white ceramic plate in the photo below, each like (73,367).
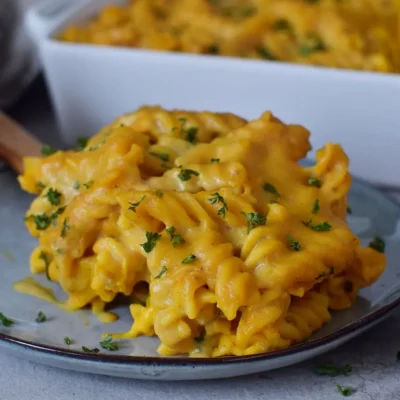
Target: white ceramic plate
(373,214)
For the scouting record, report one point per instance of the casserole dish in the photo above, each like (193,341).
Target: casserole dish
(90,85)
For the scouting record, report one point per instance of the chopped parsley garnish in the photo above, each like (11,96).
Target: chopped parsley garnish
(65,228)
(137,204)
(191,135)
(271,188)
(378,244)
(189,259)
(42,221)
(213,49)
(175,239)
(216,198)
(87,350)
(108,344)
(159,193)
(47,150)
(6,321)
(331,369)
(254,219)
(67,340)
(215,160)
(315,206)
(264,53)
(162,156)
(81,143)
(349,210)
(46,259)
(313,43)
(163,271)
(346,391)
(41,317)
(151,241)
(321,227)
(88,184)
(315,182)
(186,174)
(282,25)
(293,244)
(76,185)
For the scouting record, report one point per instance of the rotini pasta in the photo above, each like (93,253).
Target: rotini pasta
(223,242)
(355,34)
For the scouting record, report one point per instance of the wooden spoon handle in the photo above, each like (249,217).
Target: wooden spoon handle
(16,143)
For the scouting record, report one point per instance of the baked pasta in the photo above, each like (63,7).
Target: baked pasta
(354,34)
(223,242)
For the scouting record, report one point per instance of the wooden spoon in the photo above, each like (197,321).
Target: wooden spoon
(16,143)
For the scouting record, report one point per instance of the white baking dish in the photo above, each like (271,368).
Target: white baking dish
(91,85)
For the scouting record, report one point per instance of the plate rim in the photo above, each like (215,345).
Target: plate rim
(161,361)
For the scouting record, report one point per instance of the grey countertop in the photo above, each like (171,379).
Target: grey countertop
(375,372)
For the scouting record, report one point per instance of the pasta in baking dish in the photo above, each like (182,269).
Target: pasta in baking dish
(223,242)
(354,34)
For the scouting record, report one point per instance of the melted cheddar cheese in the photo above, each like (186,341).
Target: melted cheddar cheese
(224,243)
(354,34)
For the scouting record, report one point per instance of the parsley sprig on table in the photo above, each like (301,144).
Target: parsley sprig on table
(108,344)
(378,244)
(332,369)
(6,321)
(41,317)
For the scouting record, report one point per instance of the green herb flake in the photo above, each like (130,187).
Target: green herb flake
(159,193)
(6,321)
(213,49)
(282,25)
(315,182)
(254,219)
(175,239)
(266,54)
(108,344)
(65,228)
(47,150)
(87,350)
(88,184)
(346,391)
(40,185)
(41,317)
(81,143)
(321,227)
(76,185)
(191,135)
(186,174)
(163,271)
(67,340)
(151,241)
(215,160)
(316,207)
(312,44)
(46,259)
(378,244)
(216,198)
(271,188)
(162,156)
(133,206)
(189,259)
(42,221)
(293,244)
(331,369)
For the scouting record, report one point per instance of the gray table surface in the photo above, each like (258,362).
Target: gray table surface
(376,374)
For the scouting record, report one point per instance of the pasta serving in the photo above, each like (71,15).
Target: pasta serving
(354,34)
(223,242)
